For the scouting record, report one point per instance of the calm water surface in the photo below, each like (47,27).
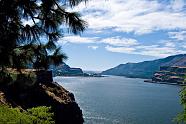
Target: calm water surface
(120,100)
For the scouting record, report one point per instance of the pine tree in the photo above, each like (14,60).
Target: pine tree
(21,43)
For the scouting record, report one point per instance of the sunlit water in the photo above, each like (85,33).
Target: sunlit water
(120,100)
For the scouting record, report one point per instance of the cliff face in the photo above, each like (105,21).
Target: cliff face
(66,110)
(173,74)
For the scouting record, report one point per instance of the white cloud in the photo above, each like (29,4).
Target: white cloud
(138,16)
(178,5)
(118,41)
(93,47)
(27,22)
(114,41)
(151,50)
(120,49)
(159,51)
(77,39)
(127,45)
(184,46)
(169,43)
(180,36)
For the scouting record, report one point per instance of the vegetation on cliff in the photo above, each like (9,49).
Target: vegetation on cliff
(181,117)
(38,115)
(24,96)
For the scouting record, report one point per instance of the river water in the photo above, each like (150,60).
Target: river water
(121,100)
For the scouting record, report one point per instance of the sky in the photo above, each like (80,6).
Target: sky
(122,31)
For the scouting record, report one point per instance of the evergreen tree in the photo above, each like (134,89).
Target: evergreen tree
(20,42)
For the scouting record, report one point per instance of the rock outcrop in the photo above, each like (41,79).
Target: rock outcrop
(63,103)
(172,74)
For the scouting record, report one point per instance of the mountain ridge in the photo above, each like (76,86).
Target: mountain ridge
(146,69)
(66,70)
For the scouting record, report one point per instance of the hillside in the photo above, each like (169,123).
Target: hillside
(147,68)
(66,70)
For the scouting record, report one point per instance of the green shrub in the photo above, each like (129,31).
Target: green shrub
(38,115)
(181,117)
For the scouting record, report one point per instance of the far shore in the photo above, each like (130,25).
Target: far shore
(77,76)
(168,83)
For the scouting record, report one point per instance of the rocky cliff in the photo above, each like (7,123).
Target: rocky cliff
(63,103)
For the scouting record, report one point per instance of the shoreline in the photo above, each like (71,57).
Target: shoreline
(77,76)
(168,83)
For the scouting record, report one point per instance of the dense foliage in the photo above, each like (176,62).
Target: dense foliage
(30,28)
(38,115)
(181,117)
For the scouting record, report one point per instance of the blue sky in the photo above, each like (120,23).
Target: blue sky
(121,31)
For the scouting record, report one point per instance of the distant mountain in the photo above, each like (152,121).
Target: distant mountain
(92,72)
(65,70)
(147,68)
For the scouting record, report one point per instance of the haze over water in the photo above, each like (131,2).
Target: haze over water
(120,100)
